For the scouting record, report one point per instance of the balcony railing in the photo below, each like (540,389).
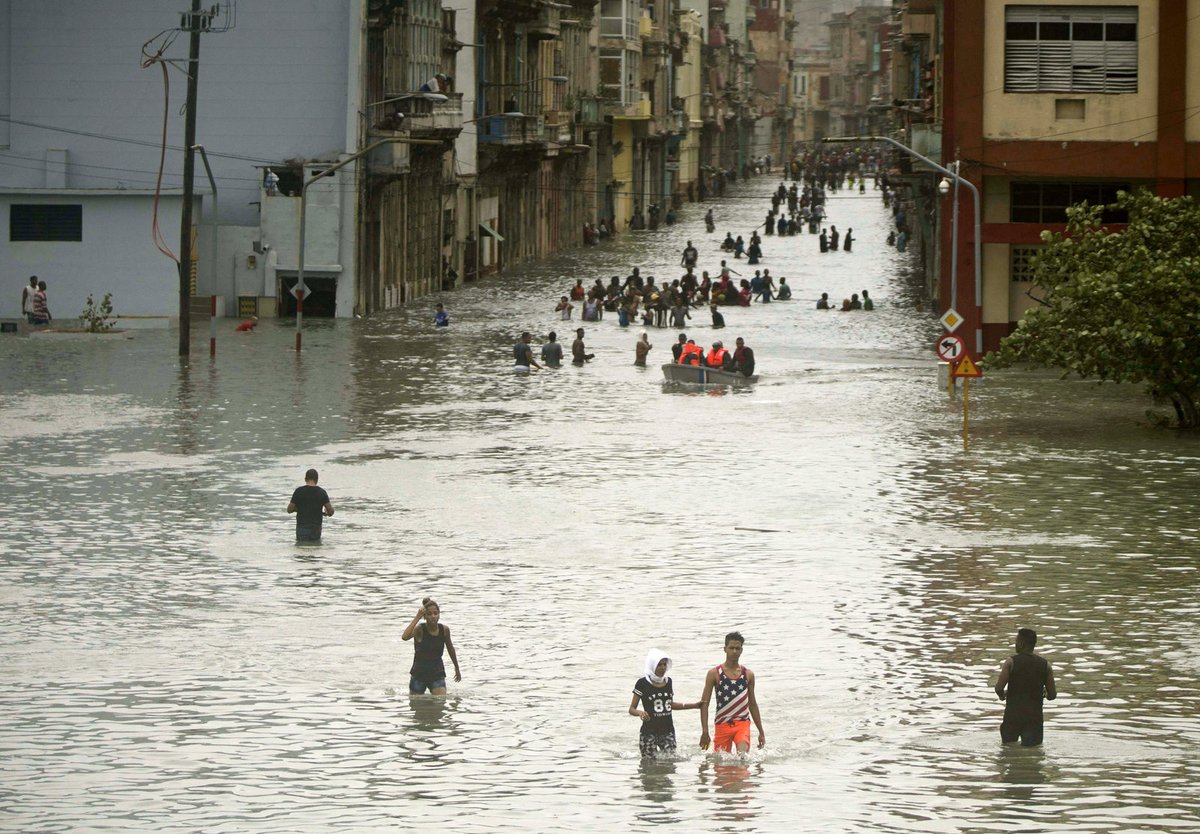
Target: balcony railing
(511,129)
(527,98)
(419,114)
(589,111)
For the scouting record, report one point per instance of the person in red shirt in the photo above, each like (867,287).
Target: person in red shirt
(247,325)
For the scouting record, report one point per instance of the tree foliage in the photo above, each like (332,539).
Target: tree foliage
(1123,307)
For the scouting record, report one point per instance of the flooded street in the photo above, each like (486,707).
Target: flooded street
(171,661)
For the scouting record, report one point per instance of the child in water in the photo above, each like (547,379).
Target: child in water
(430,639)
(657,697)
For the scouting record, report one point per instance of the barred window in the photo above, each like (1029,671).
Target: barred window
(1070,49)
(1020,265)
(1047,202)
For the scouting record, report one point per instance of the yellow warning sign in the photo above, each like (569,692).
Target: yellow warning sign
(967,368)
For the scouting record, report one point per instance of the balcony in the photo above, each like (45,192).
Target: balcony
(926,140)
(512,129)
(558,130)
(420,115)
(589,111)
(548,24)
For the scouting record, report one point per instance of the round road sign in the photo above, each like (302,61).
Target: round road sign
(950,348)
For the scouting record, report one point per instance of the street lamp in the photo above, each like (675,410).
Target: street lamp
(948,177)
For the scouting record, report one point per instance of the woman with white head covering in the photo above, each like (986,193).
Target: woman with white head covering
(657,701)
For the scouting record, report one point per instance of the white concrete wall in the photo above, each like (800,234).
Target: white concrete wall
(271,89)
(116,255)
(277,87)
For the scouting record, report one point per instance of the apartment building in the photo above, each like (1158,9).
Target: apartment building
(1047,104)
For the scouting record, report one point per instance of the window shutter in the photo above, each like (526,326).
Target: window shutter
(1057,49)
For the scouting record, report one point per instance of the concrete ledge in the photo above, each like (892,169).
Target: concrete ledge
(79,335)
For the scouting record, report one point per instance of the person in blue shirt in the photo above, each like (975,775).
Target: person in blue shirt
(441,318)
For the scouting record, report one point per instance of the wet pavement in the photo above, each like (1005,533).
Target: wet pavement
(170,659)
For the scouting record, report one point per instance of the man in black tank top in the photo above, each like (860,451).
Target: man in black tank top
(1024,678)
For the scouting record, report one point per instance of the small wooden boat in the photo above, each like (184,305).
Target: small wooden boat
(703,375)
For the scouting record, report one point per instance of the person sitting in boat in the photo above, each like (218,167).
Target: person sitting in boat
(719,358)
(743,358)
(691,354)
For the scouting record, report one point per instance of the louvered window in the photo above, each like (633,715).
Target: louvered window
(1070,49)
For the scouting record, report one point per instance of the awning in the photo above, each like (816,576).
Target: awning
(488,230)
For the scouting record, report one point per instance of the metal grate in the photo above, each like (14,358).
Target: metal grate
(247,306)
(1021,262)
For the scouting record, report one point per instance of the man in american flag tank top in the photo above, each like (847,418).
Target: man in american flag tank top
(736,704)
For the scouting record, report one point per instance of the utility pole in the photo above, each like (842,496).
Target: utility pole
(194,23)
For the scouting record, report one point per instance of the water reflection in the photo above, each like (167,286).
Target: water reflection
(730,785)
(657,777)
(1022,769)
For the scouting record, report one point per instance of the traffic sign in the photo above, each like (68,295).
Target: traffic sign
(967,369)
(950,348)
(951,320)
(297,288)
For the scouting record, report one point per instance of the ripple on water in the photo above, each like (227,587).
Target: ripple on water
(171,661)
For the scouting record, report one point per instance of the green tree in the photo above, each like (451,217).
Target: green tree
(1121,307)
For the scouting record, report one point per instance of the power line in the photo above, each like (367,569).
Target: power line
(128,141)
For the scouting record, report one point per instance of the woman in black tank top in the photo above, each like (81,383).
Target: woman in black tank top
(431,639)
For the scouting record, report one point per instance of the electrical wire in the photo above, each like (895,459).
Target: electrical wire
(149,60)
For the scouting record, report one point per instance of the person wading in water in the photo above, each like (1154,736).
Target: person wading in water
(430,640)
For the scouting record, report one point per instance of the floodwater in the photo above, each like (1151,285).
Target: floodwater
(171,661)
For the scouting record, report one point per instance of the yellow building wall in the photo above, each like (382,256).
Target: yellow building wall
(1019,302)
(1127,117)
(995,199)
(995,282)
(622,132)
(688,87)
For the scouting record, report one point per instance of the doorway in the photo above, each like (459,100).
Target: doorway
(320,301)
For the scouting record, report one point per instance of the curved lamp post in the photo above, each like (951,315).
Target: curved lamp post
(956,179)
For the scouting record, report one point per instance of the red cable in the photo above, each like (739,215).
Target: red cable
(159,241)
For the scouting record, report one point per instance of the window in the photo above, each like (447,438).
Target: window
(45,222)
(1046,202)
(619,18)
(1070,49)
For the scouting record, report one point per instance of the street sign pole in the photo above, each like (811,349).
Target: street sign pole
(299,316)
(966,369)
(966,408)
